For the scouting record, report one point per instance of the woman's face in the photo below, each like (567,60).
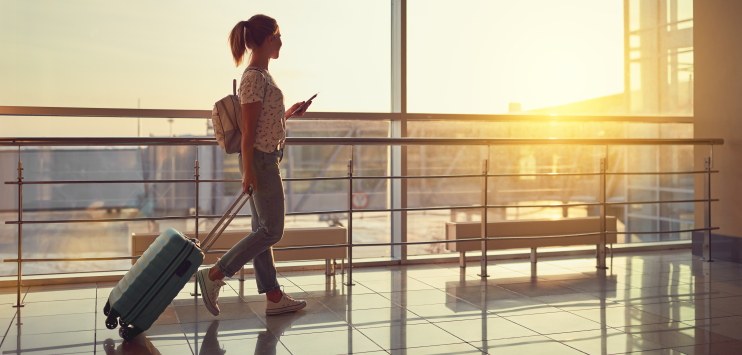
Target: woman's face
(274,41)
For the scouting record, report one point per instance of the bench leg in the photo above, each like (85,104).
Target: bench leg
(600,251)
(534,255)
(327,268)
(462,259)
(242,273)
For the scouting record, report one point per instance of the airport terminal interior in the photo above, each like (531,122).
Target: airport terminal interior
(472,177)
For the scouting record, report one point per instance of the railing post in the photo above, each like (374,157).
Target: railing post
(483,258)
(20,231)
(196,178)
(349,281)
(707,211)
(601,247)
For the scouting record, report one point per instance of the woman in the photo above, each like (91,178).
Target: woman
(264,120)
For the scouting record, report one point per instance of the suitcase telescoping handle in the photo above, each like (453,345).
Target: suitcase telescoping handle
(223,223)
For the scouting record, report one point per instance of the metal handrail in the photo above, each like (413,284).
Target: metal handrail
(370,116)
(334,178)
(137,141)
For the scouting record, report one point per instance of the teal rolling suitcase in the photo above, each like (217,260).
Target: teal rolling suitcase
(158,275)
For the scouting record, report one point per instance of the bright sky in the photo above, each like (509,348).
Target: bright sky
(463,57)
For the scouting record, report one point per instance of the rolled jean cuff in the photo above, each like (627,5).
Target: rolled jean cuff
(269,289)
(224,271)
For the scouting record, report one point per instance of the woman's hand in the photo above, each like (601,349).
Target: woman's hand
(292,111)
(249,182)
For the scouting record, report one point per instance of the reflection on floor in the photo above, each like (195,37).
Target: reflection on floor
(668,302)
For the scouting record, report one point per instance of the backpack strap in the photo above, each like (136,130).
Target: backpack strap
(265,89)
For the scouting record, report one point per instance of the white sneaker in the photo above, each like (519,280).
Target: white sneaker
(285,305)
(209,290)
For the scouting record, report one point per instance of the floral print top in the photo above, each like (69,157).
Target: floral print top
(258,85)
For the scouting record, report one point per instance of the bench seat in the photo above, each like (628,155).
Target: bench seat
(528,228)
(292,237)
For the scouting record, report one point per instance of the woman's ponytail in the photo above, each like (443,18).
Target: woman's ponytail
(237,41)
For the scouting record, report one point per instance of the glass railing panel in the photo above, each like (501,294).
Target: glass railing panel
(103,194)
(370,188)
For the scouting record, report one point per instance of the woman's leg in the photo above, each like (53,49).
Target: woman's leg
(268,204)
(263,264)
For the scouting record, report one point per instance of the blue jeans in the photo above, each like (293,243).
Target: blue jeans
(267,204)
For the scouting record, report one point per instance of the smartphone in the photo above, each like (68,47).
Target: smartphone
(302,107)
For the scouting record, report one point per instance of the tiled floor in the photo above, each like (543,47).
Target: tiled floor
(663,303)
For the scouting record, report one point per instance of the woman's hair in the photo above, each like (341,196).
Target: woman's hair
(250,34)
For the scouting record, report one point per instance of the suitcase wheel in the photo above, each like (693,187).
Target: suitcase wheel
(128,333)
(111,321)
(124,333)
(123,323)
(107,308)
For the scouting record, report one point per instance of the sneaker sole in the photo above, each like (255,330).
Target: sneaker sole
(204,295)
(287,309)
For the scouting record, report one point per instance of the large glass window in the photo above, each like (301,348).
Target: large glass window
(174,55)
(531,57)
(660,58)
(550,57)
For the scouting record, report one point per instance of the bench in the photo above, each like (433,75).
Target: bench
(292,237)
(528,228)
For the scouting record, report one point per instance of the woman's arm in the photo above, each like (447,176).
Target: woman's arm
(250,113)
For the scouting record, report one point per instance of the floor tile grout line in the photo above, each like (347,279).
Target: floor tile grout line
(7,330)
(567,345)
(191,347)
(434,324)
(15,316)
(671,347)
(354,327)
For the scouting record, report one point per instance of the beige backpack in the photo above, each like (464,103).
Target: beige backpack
(226,117)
